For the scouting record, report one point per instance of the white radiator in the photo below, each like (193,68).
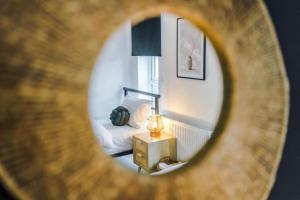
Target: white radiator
(190,139)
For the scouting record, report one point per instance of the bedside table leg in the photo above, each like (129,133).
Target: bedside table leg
(139,170)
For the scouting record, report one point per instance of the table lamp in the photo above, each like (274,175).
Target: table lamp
(155,125)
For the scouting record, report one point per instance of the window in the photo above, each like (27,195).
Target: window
(148,74)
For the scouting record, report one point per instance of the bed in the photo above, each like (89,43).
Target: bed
(118,139)
(121,138)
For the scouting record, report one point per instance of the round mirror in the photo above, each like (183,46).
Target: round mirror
(156,94)
(47,148)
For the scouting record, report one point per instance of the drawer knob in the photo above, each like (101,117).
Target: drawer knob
(139,155)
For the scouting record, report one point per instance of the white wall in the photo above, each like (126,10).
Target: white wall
(112,71)
(194,102)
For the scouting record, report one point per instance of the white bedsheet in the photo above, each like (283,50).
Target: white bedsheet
(121,136)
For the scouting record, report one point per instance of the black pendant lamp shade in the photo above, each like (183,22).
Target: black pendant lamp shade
(146,38)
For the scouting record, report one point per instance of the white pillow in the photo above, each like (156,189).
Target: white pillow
(139,110)
(102,134)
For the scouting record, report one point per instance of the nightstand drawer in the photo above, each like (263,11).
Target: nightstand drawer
(140,159)
(147,150)
(140,145)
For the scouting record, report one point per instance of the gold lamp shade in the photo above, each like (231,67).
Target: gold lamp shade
(155,125)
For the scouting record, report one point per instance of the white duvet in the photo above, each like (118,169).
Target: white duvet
(119,138)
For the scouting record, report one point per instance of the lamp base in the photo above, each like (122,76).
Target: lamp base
(155,133)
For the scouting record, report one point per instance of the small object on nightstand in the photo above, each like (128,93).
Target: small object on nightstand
(155,125)
(147,150)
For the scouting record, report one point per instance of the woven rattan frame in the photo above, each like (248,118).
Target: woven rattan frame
(47,149)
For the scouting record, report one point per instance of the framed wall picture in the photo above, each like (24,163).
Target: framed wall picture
(191,45)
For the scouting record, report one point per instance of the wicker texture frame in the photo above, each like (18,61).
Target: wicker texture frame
(47,149)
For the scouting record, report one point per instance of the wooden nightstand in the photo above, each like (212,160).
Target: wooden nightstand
(147,151)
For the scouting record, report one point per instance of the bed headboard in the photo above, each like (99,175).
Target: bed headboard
(156,96)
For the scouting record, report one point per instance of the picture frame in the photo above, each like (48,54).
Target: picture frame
(191,51)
